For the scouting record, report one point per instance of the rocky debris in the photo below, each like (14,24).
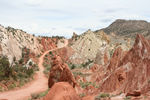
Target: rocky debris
(134,93)
(62,91)
(132,72)
(60,72)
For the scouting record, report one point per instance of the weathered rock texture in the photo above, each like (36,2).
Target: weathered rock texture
(64,53)
(132,72)
(48,43)
(12,41)
(62,91)
(60,72)
(87,45)
(102,57)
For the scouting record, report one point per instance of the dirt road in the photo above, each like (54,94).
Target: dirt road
(38,85)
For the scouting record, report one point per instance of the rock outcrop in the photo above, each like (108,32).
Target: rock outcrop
(60,72)
(48,43)
(12,42)
(132,72)
(102,57)
(134,93)
(87,45)
(64,53)
(116,58)
(62,91)
(74,37)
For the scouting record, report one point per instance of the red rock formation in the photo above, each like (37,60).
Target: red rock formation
(60,72)
(48,43)
(102,57)
(62,91)
(94,68)
(134,93)
(132,72)
(116,58)
(106,58)
(64,53)
(89,97)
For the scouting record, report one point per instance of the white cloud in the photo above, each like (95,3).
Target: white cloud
(63,17)
(34,2)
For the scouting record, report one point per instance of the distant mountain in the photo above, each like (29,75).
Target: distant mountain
(128,28)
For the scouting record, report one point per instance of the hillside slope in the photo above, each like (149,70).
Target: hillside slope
(13,41)
(86,46)
(129,28)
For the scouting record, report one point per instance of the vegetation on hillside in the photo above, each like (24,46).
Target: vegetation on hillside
(17,73)
(38,95)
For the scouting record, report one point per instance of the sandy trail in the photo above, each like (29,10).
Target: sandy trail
(38,85)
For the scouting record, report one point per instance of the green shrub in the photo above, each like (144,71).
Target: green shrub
(127,98)
(38,96)
(77,73)
(11,86)
(82,95)
(51,53)
(30,63)
(86,84)
(72,66)
(5,69)
(21,61)
(1,89)
(47,69)
(103,95)
(84,65)
(15,73)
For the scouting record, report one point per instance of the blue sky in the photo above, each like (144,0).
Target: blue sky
(63,17)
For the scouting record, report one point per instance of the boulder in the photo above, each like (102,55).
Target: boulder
(60,72)
(134,93)
(62,91)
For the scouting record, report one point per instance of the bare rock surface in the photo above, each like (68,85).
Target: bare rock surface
(60,72)
(62,91)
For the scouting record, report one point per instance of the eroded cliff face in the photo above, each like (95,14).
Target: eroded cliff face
(87,45)
(13,41)
(95,45)
(48,43)
(131,72)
